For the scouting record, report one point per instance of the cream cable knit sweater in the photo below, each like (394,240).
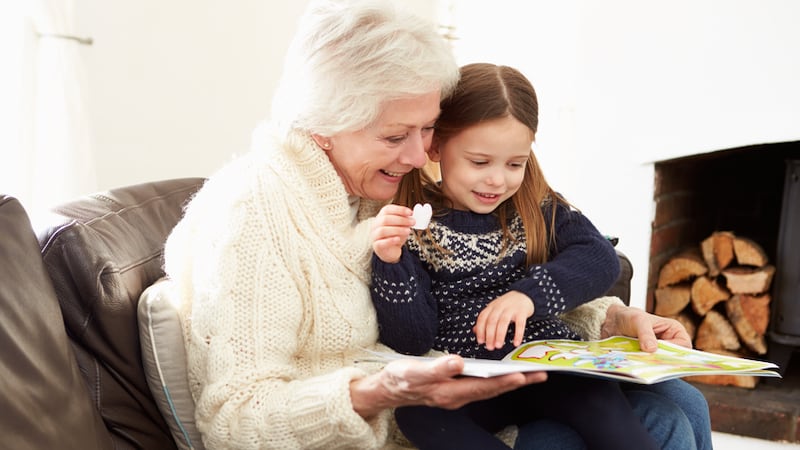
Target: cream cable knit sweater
(271,261)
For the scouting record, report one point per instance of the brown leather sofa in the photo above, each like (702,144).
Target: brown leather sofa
(71,375)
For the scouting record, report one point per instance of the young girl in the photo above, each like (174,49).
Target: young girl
(503,256)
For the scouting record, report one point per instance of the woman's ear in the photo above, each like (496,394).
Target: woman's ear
(323,142)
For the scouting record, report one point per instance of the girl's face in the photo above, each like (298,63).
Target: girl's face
(483,165)
(372,161)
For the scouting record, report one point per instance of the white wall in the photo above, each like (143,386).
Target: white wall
(624,83)
(176,87)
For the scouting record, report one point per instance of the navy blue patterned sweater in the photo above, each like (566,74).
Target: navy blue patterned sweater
(431,298)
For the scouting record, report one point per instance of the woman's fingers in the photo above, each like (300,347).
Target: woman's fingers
(634,322)
(432,383)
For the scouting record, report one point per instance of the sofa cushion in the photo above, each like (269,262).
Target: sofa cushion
(43,397)
(101,252)
(164,358)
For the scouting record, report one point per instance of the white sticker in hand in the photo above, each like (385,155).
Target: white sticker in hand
(422,215)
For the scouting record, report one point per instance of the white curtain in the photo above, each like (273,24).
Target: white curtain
(16,96)
(47,154)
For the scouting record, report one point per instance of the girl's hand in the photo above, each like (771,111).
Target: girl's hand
(492,324)
(390,229)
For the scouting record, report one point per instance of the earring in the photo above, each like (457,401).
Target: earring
(326,145)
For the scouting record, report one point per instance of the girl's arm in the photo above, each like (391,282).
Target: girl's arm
(406,310)
(582,266)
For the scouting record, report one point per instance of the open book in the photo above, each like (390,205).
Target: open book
(616,357)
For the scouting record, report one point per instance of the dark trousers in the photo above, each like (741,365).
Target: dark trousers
(597,409)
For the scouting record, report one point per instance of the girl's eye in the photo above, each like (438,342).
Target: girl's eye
(516,165)
(428,129)
(479,162)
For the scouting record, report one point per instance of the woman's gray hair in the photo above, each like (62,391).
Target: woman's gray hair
(349,57)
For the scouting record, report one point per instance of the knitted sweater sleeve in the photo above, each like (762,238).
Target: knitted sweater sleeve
(406,310)
(583,265)
(587,319)
(244,329)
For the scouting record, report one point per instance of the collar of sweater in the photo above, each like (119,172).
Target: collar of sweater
(313,165)
(467,221)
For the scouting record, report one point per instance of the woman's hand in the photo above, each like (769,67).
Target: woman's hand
(390,229)
(492,324)
(408,382)
(627,321)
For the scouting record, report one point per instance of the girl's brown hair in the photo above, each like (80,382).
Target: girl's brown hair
(487,92)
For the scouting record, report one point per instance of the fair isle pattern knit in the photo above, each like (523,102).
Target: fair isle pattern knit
(431,298)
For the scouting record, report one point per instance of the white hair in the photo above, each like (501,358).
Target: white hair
(349,57)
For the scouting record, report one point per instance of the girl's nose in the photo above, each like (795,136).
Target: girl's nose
(495,178)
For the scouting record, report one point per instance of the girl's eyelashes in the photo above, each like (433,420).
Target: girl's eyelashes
(481,162)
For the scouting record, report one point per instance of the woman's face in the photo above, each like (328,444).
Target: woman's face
(372,161)
(483,165)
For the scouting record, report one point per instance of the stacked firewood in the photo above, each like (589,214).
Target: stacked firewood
(720,292)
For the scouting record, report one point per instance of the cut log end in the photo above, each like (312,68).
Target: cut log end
(684,267)
(749,253)
(749,336)
(671,300)
(706,293)
(716,333)
(718,251)
(747,280)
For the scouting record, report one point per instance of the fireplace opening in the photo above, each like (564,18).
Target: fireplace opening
(743,192)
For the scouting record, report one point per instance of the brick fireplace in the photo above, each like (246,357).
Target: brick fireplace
(740,190)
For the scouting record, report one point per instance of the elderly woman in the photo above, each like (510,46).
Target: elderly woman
(271,260)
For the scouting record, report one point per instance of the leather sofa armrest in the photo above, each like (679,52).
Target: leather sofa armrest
(101,252)
(43,397)
(622,288)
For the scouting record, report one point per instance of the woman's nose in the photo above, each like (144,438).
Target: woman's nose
(414,152)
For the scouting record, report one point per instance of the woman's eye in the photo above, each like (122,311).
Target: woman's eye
(396,139)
